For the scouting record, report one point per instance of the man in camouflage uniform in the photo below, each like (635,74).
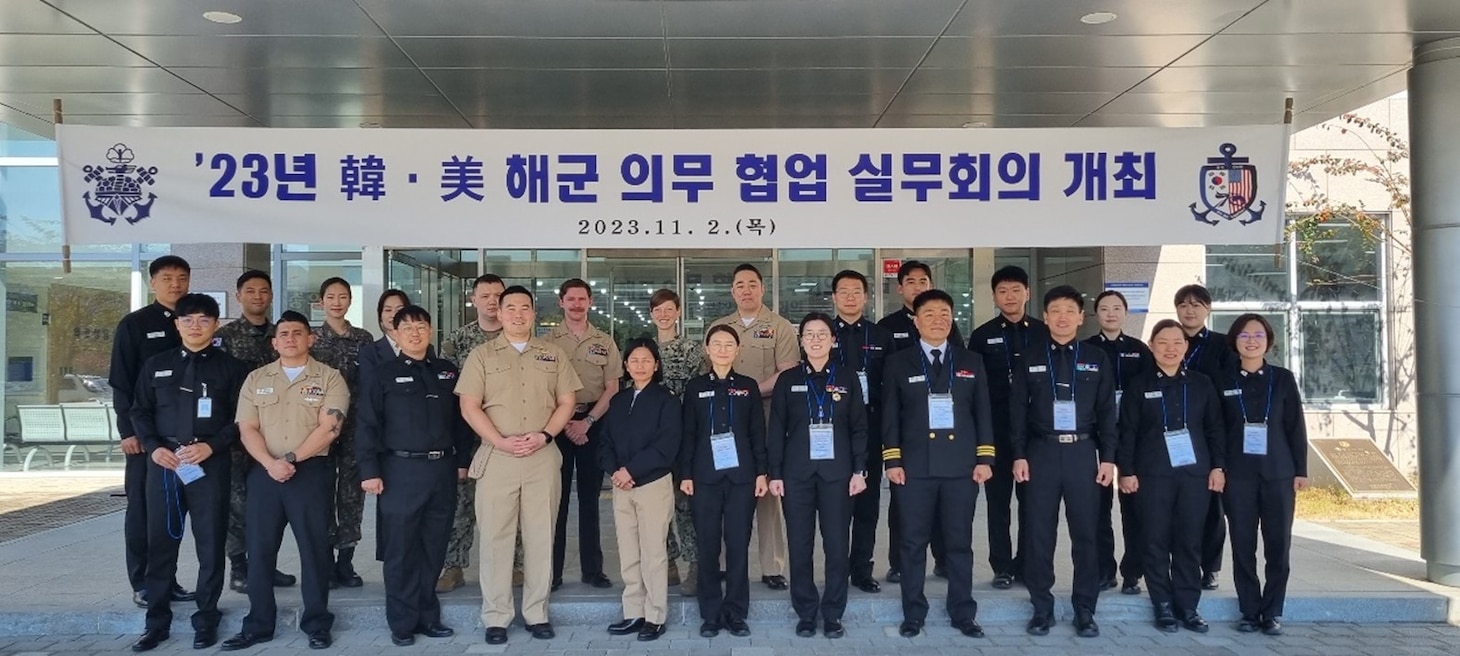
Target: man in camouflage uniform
(486,292)
(249,339)
(681,359)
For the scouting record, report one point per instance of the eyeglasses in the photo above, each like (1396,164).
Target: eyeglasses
(1252,336)
(196,322)
(816,336)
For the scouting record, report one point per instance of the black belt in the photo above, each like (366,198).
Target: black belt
(424,455)
(1068,438)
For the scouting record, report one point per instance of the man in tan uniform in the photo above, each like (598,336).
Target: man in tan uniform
(517,392)
(767,347)
(289,412)
(596,360)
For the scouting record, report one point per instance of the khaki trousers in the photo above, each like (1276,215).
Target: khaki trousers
(512,494)
(770,529)
(641,521)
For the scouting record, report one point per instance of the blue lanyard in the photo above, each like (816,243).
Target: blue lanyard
(729,410)
(1075,366)
(172,492)
(1191,357)
(1166,425)
(1242,401)
(947,363)
(820,393)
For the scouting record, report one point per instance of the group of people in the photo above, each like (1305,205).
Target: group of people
(762,427)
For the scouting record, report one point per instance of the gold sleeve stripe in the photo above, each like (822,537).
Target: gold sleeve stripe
(890,454)
(984,450)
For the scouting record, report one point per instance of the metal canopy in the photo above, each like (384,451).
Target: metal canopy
(705,63)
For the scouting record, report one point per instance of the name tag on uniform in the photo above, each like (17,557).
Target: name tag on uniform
(722,448)
(1254,439)
(1179,448)
(996,340)
(264,390)
(1130,355)
(1232,392)
(963,373)
(798,388)
(707,394)
(1038,368)
(163,373)
(823,440)
(1153,395)
(862,380)
(205,408)
(1081,366)
(1064,416)
(940,411)
(404,379)
(155,334)
(917,379)
(899,335)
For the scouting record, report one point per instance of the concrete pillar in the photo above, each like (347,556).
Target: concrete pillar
(1434,93)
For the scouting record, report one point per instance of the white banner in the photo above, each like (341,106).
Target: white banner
(675,188)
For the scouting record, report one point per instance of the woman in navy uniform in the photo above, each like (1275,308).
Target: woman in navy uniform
(722,467)
(638,442)
(817,442)
(1172,449)
(1267,463)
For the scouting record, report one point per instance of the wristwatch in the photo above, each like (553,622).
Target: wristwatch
(291,458)
(590,419)
(862,473)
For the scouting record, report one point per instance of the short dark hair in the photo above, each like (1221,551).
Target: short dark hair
(1193,293)
(846,274)
(196,304)
(747,267)
(1163,325)
(1009,273)
(910,266)
(292,316)
(1065,292)
(930,296)
(405,299)
(664,296)
(253,274)
(517,289)
(168,262)
(487,279)
(573,283)
(722,328)
(1111,292)
(336,280)
(412,312)
(645,343)
(1241,322)
(815,316)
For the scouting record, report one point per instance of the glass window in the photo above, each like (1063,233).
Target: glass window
(540,271)
(805,281)
(1348,367)
(1221,321)
(15,142)
(1339,264)
(30,213)
(951,273)
(621,291)
(434,279)
(1243,274)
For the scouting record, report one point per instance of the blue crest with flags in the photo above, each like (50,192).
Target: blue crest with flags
(1228,186)
(117,188)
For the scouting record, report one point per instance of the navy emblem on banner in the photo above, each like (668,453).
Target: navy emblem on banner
(1228,187)
(117,188)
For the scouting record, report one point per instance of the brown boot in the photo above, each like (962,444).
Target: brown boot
(451,579)
(673,573)
(688,586)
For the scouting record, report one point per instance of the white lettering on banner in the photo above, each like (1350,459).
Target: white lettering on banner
(675,188)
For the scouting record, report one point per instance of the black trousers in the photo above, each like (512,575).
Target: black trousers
(950,502)
(1213,535)
(1255,506)
(416,509)
(809,499)
(866,511)
(1173,509)
(206,501)
(134,527)
(303,503)
(723,512)
(894,533)
(1002,491)
(1061,472)
(1130,530)
(582,461)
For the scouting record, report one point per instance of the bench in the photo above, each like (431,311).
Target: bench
(42,427)
(89,425)
(78,427)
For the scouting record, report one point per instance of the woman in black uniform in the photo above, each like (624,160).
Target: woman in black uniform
(817,431)
(1267,463)
(722,467)
(1172,452)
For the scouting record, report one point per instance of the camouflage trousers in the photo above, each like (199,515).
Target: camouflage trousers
(685,527)
(349,497)
(234,545)
(464,529)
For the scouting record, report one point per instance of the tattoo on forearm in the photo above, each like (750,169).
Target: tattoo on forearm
(339,416)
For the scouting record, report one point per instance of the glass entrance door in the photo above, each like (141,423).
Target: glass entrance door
(624,280)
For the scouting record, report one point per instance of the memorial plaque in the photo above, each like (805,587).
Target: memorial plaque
(1359,467)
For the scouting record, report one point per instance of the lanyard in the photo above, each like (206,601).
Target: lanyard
(1192,356)
(947,364)
(729,408)
(820,393)
(1074,373)
(1242,401)
(1166,425)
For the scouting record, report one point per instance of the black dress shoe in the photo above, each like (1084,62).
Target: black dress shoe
(833,629)
(1193,622)
(179,594)
(806,628)
(909,629)
(402,639)
(651,632)
(557,583)
(346,577)
(244,640)
(542,631)
(1249,624)
(150,639)
(626,626)
(894,576)
(205,638)
(282,580)
(437,630)
(738,628)
(940,571)
(867,584)
(969,627)
(598,581)
(1209,581)
(1166,619)
(1003,581)
(1272,626)
(139,598)
(320,640)
(497,635)
(1130,587)
(1085,626)
(776,582)
(709,629)
(1039,625)
(1106,584)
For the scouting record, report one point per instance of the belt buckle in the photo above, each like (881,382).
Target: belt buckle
(435,455)
(1067,438)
